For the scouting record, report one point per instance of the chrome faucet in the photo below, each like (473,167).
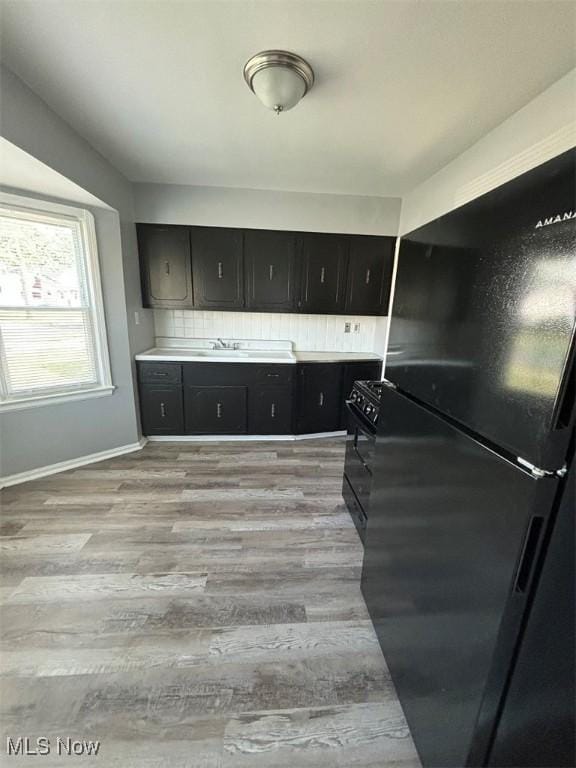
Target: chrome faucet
(220,344)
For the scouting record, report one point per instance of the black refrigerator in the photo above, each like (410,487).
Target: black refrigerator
(469,561)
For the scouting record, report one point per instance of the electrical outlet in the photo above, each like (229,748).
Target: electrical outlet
(346,327)
(356,327)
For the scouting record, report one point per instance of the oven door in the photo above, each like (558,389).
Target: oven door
(360,444)
(361,440)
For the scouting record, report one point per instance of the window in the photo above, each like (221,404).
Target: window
(52,331)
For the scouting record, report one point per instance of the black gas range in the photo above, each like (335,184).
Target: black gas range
(365,399)
(363,407)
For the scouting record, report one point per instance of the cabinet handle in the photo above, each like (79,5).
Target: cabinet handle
(273,410)
(322,274)
(167,267)
(162,410)
(159,373)
(272,375)
(219,410)
(368,276)
(271,271)
(220,270)
(321,400)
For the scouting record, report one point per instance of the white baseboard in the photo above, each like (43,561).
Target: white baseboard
(62,466)
(237,438)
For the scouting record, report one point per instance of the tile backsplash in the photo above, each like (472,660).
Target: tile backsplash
(307,332)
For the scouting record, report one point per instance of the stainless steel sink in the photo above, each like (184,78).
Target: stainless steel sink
(218,353)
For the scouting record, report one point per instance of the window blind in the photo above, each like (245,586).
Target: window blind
(48,336)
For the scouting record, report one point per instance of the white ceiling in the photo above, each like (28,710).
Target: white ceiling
(402,86)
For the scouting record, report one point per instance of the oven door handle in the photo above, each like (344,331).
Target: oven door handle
(366,426)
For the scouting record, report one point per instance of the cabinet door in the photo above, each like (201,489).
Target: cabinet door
(369,274)
(319,395)
(165,266)
(215,410)
(324,263)
(270,411)
(365,371)
(270,264)
(217,268)
(161,409)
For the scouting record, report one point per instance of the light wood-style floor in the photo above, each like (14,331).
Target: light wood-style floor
(194,605)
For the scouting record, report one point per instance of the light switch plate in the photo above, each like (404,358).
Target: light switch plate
(356,327)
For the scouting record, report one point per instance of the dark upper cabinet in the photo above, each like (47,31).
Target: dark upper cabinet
(270,270)
(217,268)
(361,371)
(324,264)
(161,409)
(369,274)
(264,270)
(165,266)
(215,410)
(319,393)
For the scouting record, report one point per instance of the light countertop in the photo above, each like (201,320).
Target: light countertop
(248,352)
(171,354)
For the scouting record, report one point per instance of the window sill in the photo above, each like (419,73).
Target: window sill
(56,399)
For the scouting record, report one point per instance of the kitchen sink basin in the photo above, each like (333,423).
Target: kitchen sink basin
(219,353)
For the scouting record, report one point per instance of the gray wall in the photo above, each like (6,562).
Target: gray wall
(41,436)
(35,437)
(266,209)
(29,123)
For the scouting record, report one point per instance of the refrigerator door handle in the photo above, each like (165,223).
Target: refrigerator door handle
(528,555)
(563,410)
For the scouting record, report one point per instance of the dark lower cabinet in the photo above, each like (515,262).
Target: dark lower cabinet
(319,397)
(165,266)
(240,398)
(270,411)
(161,409)
(215,410)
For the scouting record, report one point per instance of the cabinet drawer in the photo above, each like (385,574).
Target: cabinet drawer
(162,373)
(270,375)
(217,374)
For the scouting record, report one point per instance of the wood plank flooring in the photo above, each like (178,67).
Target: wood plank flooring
(194,605)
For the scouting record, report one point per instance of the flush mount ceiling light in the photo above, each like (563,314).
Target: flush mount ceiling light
(278,78)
